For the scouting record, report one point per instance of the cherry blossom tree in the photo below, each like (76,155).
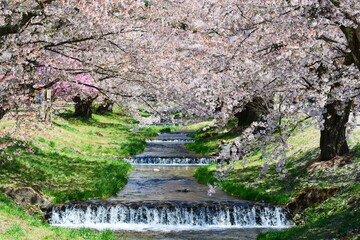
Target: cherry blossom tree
(296,60)
(310,53)
(82,92)
(36,34)
(301,57)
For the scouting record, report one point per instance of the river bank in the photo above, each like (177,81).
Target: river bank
(336,218)
(74,159)
(67,166)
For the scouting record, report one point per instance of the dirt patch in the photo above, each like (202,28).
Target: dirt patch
(310,197)
(332,164)
(98,134)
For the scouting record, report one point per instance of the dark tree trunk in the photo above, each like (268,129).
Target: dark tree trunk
(247,116)
(252,112)
(333,136)
(105,107)
(353,39)
(83,107)
(3,112)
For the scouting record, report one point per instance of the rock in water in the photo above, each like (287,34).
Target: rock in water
(183,190)
(31,199)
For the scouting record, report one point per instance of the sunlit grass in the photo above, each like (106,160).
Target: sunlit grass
(76,159)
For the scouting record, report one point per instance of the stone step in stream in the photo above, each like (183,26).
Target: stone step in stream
(168,215)
(149,160)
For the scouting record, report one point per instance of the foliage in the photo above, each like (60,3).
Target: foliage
(300,57)
(299,76)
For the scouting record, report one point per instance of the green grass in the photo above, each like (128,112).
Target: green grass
(15,231)
(337,218)
(159,128)
(208,142)
(205,175)
(75,159)
(145,114)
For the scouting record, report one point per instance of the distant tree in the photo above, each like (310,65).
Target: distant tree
(105,107)
(82,91)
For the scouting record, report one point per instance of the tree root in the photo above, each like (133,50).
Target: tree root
(338,161)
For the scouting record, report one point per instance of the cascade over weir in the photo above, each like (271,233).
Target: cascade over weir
(162,195)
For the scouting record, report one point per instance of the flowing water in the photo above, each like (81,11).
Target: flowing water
(162,200)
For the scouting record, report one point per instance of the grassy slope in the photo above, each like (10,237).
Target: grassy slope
(208,142)
(75,160)
(328,219)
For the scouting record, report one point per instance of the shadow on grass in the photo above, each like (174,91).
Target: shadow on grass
(247,184)
(66,177)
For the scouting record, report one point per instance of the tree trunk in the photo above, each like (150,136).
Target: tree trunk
(247,116)
(83,107)
(252,112)
(105,107)
(353,39)
(333,136)
(3,112)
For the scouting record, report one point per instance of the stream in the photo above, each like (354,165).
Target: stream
(162,200)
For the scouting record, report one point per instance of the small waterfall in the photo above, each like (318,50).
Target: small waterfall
(170,161)
(168,216)
(169,140)
(174,133)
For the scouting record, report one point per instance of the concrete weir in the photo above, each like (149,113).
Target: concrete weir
(170,161)
(167,215)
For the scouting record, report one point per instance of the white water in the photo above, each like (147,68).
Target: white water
(170,140)
(169,218)
(170,161)
(174,133)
